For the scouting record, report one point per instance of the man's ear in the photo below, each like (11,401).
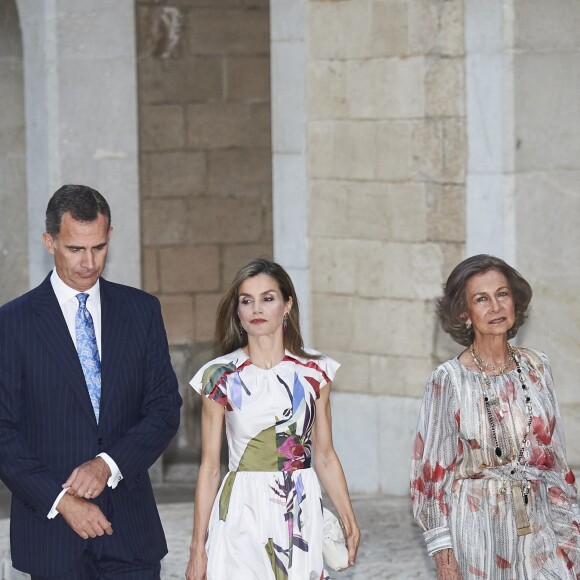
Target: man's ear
(48,242)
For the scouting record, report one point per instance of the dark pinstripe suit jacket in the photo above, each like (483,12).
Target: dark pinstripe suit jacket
(47,425)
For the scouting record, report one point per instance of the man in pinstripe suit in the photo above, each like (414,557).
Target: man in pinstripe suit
(76,462)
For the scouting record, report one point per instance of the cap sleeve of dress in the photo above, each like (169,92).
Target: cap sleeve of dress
(326,366)
(211,379)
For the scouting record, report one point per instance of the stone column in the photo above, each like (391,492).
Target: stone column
(290,183)
(523,116)
(81,118)
(546,128)
(490,209)
(13,221)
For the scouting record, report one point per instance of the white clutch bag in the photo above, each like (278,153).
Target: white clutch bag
(334,549)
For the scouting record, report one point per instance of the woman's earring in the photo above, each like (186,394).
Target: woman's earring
(468,324)
(285,322)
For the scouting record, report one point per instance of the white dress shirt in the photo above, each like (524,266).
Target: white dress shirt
(69,304)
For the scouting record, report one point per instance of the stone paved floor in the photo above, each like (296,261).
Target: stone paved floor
(391,547)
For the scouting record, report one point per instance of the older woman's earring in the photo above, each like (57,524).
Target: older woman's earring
(468,324)
(285,322)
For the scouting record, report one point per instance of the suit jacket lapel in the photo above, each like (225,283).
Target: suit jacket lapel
(113,336)
(56,337)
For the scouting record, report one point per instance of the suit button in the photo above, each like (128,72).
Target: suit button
(100,441)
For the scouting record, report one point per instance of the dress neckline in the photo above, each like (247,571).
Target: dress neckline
(246,360)
(465,368)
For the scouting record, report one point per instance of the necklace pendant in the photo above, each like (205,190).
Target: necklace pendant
(498,451)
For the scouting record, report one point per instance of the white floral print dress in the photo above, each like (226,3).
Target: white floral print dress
(462,492)
(266,522)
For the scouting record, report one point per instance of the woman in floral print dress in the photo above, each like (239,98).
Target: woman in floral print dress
(265,519)
(490,483)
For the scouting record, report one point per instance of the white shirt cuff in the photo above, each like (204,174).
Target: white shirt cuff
(53,511)
(438,539)
(116,475)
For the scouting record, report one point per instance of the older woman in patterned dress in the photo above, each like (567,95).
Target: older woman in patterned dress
(490,483)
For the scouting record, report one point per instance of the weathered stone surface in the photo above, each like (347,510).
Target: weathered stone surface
(288,97)
(161,127)
(159,29)
(243,173)
(367,318)
(537,30)
(13,199)
(189,269)
(150,270)
(388,88)
(248,78)
(236,256)
(446,215)
(445,87)
(375,269)
(393,150)
(547,111)
(427,147)
(423,27)
(327,90)
(390,28)
(369,210)
(452,28)
(165,222)
(340,149)
(340,30)
(205,307)
(381,375)
(213,220)
(185,80)
(258,127)
(227,31)
(395,270)
(406,375)
(454,150)
(334,266)
(173,174)
(178,318)
(215,125)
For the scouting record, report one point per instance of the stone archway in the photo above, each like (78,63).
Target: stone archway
(13,217)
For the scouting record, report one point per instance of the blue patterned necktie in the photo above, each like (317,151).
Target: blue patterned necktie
(88,352)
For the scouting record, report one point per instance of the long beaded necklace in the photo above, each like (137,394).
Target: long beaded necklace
(520,485)
(491,398)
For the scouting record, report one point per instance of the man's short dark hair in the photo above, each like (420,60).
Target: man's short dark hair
(82,202)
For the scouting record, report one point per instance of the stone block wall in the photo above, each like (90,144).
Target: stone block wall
(387,165)
(387,159)
(206,184)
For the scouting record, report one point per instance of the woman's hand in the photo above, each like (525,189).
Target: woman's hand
(197,566)
(447,566)
(352,537)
